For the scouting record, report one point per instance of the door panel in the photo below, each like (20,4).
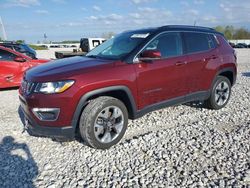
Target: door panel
(10,71)
(200,70)
(203,55)
(161,80)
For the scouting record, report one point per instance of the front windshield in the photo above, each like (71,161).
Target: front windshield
(119,46)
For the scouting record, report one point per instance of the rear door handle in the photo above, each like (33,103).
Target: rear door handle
(214,57)
(179,63)
(211,57)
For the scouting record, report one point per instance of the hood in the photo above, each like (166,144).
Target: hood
(40,60)
(65,68)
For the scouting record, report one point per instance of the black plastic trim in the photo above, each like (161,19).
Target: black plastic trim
(83,101)
(66,132)
(228,69)
(201,95)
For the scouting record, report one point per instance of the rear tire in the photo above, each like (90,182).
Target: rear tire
(103,122)
(220,93)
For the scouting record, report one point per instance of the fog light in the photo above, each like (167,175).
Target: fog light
(46,114)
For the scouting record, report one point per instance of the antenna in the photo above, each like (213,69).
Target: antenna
(2,28)
(194,22)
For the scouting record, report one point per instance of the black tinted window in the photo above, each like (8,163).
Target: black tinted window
(19,49)
(168,44)
(96,43)
(197,42)
(10,47)
(6,56)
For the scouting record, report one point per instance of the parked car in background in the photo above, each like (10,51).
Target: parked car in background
(12,66)
(232,44)
(241,45)
(22,48)
(132,74)
(86,44)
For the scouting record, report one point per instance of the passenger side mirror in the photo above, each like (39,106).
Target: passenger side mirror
(149,55)
(19,59)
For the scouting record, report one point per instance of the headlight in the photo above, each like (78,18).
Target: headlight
(53,87)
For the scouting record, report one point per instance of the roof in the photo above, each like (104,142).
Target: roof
(176,28)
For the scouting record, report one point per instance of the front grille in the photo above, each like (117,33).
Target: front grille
(27,87)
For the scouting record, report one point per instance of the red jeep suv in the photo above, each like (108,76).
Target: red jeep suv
(124,78)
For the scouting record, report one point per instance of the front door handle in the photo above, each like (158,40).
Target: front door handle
(179,63)
(9,78)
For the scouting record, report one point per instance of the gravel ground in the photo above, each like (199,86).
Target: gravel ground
(182,146)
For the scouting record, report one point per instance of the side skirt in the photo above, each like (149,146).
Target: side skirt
(197,96)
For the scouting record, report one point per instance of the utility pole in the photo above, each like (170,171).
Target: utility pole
(2,29)
(45,38)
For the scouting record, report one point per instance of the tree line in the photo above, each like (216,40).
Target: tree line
(231,33)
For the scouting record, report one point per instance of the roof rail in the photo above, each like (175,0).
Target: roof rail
(187,26)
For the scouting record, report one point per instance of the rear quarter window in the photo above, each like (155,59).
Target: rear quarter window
(198,42)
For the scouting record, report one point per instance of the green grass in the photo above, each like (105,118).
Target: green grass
(38,47)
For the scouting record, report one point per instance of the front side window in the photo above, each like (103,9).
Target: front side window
(198,42)
(169,44)
(6,56)
(19,49)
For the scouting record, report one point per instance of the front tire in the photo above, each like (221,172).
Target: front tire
(103,122)
(220,94)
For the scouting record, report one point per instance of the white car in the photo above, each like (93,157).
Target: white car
(87,44)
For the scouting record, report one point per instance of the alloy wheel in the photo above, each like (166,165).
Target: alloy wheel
(222,92)
(108,124)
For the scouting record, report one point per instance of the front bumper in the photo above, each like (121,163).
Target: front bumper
(33,128)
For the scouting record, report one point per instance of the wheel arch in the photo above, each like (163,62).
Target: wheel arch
(228,73)
(122,93)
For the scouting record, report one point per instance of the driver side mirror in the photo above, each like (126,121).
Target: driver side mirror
(149,55)
(19,59)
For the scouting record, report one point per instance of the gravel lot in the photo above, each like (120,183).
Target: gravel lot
(180,146)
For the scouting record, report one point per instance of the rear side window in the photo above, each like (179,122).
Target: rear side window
(198,42)
(215,40)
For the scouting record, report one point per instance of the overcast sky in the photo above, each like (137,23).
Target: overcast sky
(73,19)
